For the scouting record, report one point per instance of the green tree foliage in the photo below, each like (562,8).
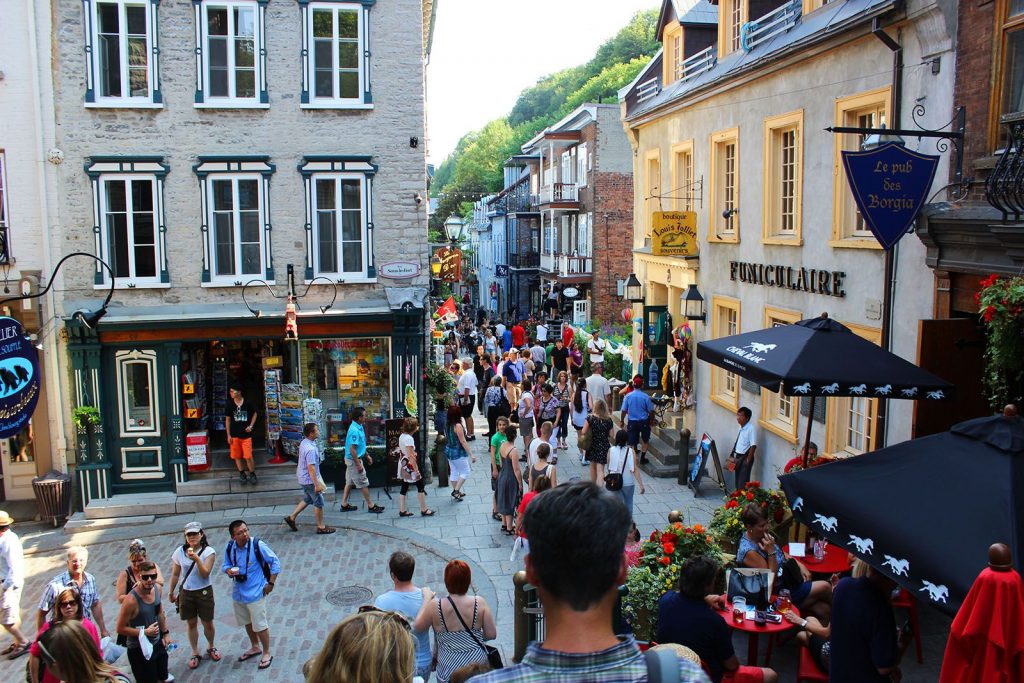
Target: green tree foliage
(474,168)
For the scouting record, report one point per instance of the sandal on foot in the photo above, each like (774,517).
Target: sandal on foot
(495,516)
(291,523)
(9,649)
(376,509)
(19,651)
(193,662)
(403,513)
(325,530)
(427,513)
(249,654)
(214,654)
(266,664)
(349,508)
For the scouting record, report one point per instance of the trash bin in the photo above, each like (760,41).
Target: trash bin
(53,496)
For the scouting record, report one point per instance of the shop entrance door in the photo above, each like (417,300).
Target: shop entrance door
(136,423)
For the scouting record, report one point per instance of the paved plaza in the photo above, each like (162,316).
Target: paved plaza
(325,578)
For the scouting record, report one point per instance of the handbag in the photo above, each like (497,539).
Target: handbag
(613,480)
(493,656)
(584,440)
(749,586)
(504,407)
(790,576)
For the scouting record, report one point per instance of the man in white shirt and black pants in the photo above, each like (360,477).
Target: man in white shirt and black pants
(745,448)
(12,574)
(467,388)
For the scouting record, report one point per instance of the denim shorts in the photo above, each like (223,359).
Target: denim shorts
(311,496)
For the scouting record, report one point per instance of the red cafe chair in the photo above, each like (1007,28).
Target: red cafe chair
(907,602)
(807,671)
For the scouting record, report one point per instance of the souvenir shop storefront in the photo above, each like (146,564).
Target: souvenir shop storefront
(162,387)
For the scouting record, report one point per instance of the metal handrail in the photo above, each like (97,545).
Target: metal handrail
(647,90)
(764,28)
(698,63)
(1004,187)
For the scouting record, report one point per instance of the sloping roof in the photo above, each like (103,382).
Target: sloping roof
(686,12)
(818,26)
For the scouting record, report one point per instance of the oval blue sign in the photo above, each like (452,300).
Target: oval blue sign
(19,378)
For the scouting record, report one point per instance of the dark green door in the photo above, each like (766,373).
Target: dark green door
(657,336)
(136,424)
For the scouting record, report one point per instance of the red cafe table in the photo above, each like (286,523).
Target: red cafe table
(753,631)
(836,560)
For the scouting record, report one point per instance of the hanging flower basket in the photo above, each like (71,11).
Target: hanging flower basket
(1000,304)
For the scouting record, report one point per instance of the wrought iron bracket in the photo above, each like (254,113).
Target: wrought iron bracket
(955,136)
(291,293)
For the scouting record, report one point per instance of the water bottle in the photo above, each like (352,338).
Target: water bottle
(652,375)
(172,647)
(819,551)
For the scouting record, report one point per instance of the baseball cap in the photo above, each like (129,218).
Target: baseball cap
(193,528)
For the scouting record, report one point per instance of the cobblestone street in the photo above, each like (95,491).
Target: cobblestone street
(355,558)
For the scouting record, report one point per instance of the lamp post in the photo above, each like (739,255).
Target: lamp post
(634,290)
(693,304)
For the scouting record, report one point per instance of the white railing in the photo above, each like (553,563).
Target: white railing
(697,64)
(548,262)
(574,265)
(765,28)
(647,89)
(559,192)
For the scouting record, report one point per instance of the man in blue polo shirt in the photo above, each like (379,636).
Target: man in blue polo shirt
(355,470)
(636,412)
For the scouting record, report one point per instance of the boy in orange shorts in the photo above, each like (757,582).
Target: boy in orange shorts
(239,424)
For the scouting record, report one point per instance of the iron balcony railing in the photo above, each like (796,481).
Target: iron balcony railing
(697,64)
(522,203)
(763,29)
(574,265)
(5,245)
(530,259)
(1004,187)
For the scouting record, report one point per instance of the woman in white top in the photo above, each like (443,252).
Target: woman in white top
(622,458)
(409,470)
(526,414)
(579,408)
(194,560)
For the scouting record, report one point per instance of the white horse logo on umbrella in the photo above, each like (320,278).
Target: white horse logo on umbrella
(829,523)
(863,545)
(758,347)
(899,567)
(938,593)
(802,388)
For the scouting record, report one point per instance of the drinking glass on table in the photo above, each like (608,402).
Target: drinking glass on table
(739,609)
(785,602)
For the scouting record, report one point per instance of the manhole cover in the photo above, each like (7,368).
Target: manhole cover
(346,596)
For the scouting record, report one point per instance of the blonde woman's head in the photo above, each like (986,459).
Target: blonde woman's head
(368,647)
(601,409)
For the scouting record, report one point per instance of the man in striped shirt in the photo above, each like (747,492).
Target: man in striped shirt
(578,590)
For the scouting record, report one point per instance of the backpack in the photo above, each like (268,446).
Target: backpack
(264,565)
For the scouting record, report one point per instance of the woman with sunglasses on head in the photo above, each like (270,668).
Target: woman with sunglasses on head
(129,576)
(66,607)
(142,616)
(194,559)
(371,646)
(70,652)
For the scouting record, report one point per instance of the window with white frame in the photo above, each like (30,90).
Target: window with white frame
(121,46)
(129,220)
(339,221)
(584,239)
(5,245)
(778,411)
(336,68)
(724,194)
(236,219)
(581,165)
(230,55)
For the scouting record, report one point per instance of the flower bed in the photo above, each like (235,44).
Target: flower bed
(661,556)
(727,527)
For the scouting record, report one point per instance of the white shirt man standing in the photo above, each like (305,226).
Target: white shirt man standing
(12,575)
(542,332)
(745,448)
(467,390)
(596,347)
(597,387)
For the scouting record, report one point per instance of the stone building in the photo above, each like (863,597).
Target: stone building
(728,121)
(219,156)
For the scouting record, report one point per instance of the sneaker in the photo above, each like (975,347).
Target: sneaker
(243,476)
(252,477)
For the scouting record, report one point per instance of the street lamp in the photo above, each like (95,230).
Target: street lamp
(87,317)
(634,290)
(435,265)
(454,227)
(693,304)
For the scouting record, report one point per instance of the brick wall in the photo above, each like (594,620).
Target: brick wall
(613,240)
(974,76)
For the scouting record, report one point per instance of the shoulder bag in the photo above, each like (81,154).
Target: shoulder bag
(613,480)
(493,656)
(749,586)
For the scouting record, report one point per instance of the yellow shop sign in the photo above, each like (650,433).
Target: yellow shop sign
(674,233)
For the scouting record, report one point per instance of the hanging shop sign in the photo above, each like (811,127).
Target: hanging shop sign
(570,292)
(451,264)
(399,270)
(890,185)
(674,233)
(19,377)
(813,280)
(500,270)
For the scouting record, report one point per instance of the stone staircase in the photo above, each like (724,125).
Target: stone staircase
(203,492)
(664,450)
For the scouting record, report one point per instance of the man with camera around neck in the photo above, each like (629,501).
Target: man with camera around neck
(253,567)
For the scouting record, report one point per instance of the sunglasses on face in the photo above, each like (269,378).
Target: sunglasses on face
(69,603)
(149,577)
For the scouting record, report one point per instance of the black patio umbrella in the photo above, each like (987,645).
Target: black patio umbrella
(924,511)
(821,357)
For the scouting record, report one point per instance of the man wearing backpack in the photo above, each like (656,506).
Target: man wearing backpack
(253,567)
(579,590)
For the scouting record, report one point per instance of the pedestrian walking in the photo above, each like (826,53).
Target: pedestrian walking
(457,452)
(77,560)
(493,404)
(195,602)
(254,567)
(355,471)
(622,459)
(601,429)
(467,390)
(540,467)
(407,599)
(409,469)
(308,473)
(539,355)
(637,409)
(239,424)
(524,410)
(12,580)
(142,617)
(596,347)
(510,480)
(497,439)
(580,408)
(562,391)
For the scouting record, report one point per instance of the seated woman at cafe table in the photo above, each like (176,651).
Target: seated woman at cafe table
(758,549)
